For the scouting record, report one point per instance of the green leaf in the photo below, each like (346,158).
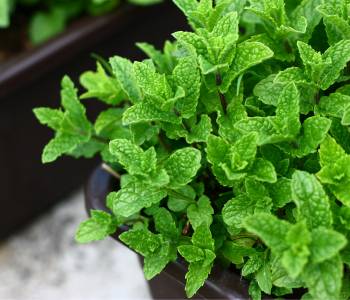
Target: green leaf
(124,72)
(142,241)
(296,257)
(314,131)
(253,264)
(50,117)
(197,274)
(202,237)
(236,210)
(4,13)
(101,86)
(155,262)
(191,253)
(311,200)
(45,25)
(235,252)
(151,82)
(182,166)
(58,146)
(132,157)
(248,54)
(165,224)
(263,170)
(98,227)
(186,75)
(201,212)
(254,290)
(282,127)
(326,244)
(281,192)
(200,132)
(149,110)
(133,197)
(263,277)
(330,152)
(243,152)
(339,55)
(181,198)
(270,229)
(324,280)
(334,105)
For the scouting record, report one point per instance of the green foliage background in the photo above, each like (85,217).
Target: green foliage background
(50,17)
(233,145)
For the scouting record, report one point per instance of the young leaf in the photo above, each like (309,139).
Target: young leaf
(248,54)
(182,166)
(123,71)
(142,241)
(132,157)
(270,229)
(326,243)
(133,197)
(200,212)
(98,227)
(324,280)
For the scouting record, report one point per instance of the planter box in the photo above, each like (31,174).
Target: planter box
(32,80)
(221,284)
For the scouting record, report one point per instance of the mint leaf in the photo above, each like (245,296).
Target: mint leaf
(50,117)
(324,280)
(142,241)
(326,243)
(248,54)
(339,55)
(99,85)
(311,200)
(186,75)
(201,212)
(270,229)
(236,210)
(182,166)
(123,71)
(133,197)
(157,261)
(132,157)
(98,227)
(197,274)
(263,170)
(191,253)
(282,127)
(165,224)
(4,13)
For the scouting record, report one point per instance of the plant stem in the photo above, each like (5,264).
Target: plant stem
(109,169)
(223,102)
(186,229)
(222,97)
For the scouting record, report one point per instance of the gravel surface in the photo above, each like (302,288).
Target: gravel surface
(44,262)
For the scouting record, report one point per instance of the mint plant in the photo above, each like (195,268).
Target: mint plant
(232,145)
(50,17)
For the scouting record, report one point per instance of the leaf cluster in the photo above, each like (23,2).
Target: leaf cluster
(233,145)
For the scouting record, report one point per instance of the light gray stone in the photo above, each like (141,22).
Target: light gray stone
(44,262)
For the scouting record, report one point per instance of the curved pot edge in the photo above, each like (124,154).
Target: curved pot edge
(221,284)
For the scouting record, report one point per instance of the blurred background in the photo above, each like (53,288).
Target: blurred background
(42,205)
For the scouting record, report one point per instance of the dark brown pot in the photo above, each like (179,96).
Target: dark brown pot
(32,80)
(170,284)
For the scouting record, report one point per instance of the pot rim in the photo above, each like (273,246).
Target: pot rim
(221,283)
